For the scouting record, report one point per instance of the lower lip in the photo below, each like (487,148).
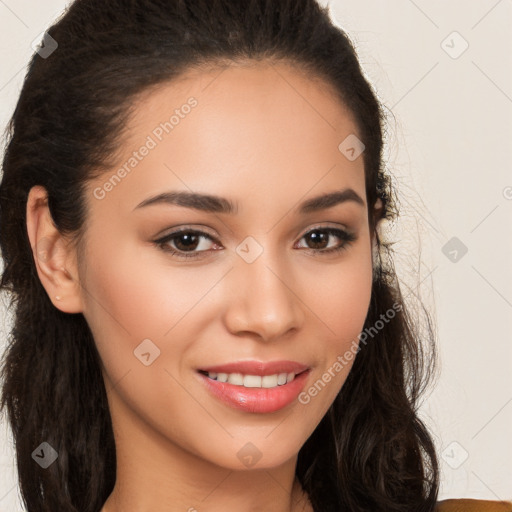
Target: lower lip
(257,400)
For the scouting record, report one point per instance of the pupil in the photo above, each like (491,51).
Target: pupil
(190,238)
(315,236)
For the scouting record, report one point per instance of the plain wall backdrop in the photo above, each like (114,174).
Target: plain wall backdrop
(444,70)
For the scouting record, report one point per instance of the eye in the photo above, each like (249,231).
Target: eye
(185,241)
(319,236)
(189,243)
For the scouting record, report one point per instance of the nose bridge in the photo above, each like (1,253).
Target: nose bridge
(263,300)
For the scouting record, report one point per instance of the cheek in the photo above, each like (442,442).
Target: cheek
(128,302)
(340,295)
(132,293)
(124,306)
(133,297)
(340,305)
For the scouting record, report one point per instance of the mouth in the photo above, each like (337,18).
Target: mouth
(253,381)
(254,386)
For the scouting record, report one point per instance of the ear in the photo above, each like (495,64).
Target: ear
(377,207)
(54,257)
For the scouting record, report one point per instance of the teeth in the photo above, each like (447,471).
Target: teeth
(269,381)
(236,378)
(253,381)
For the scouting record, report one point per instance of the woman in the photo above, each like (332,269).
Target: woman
(205,315)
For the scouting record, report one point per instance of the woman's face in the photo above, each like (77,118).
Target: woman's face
(250,283)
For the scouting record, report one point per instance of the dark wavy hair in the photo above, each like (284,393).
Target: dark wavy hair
(371,451)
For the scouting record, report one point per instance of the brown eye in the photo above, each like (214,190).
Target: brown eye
(318,239)
(185,243)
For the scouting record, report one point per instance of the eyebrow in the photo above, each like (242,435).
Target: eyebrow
(216,204)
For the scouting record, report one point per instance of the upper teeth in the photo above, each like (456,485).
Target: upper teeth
(253,381)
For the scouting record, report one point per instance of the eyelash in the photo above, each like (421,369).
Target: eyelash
(162,243)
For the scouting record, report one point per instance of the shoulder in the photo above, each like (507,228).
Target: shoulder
(469,505)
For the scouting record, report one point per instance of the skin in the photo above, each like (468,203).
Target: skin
(265,136)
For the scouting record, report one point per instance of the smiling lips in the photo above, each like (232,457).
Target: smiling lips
(255,386)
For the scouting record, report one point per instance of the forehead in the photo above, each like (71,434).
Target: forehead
(275,91)
(259,127)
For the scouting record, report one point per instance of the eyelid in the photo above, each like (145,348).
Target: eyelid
(204,230)
(333,225)
(185,228)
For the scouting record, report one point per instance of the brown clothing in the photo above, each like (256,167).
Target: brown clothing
(468,505)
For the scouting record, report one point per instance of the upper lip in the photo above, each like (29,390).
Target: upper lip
(258,367)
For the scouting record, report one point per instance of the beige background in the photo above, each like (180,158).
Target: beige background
(450,149)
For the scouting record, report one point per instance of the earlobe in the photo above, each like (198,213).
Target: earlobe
(377,217)
(54,258)
(378,208)
(375,239)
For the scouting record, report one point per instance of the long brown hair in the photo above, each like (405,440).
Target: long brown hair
(370,452)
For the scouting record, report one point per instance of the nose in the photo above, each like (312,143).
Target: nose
(263,299)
